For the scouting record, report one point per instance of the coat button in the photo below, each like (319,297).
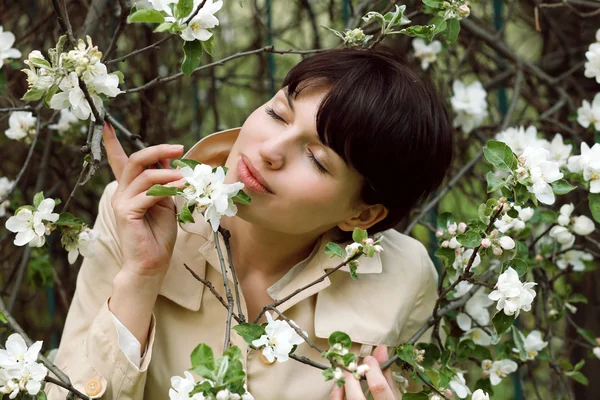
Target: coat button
(93,387)
(264,359)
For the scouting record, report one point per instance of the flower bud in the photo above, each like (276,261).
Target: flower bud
(494,233)
(507,243)
(502,200)
(462,227)
(539,257)
(598,340)
(452,229)
(352,366)
(448,393)
(362,369)
(497,251)
(486,364)
(439,233)
(583,225)
(485,374)
(338,374)
(463,11)
(485,243)
(552,313)
(596,352)
(368,241)
(445,243)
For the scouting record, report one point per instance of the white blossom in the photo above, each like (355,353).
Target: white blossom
(462,259)
(198,27)
(575,258)
(65,122)
(72,96)
(542,172)
(506,222)
(7,39)
(21,370)
(559,152)
(459,385)
(5,187)
(583,226)
(592,65)
(279,339)
(212,196)
(596,352)
(506,242)
(29,225)
(562,236)
(21,124)
(425,52)
(84,245)
(587,162)
(479,394)
(478,336)
(519,138)
(564,217)
(38,77)
(462,288)
(182,386)
(501,369)
(589,114)
(98,80)
(476,308)
(512,295)
(470,105)
(533,343)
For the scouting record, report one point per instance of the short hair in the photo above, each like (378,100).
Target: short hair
(383,119)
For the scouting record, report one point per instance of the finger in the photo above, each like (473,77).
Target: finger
(165,163)
(114,152)
(381,355)
(139,205)
(352,388)
(145,158)
(379,386)
(150,177)
(337,393)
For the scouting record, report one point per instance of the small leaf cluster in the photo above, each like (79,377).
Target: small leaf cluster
(224,373)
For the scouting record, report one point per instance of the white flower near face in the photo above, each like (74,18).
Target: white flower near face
(197,28)
(21,366)
(66,120)
(72,96)
(477,309)
(587,162)
(470,105)
(17,353)
(427,53)
(98,80)
(542,172)
(459,385)
(21,124)
(592,65)
(589,114)
(84,245)
(501,369)
(182,386)
(279,340)
(7,39)
(533,344)
(462,259)
(575,258)
(519,138)
(583,226)
(479,394)
(512,295)
(352,249)
(562,236)
(559,152)
(478,336)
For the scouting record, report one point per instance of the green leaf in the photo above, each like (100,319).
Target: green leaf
(67,219)
(439,23)
(328,374)
(481,353)
(119,75)
(493,182)
(434,376)
(234,353)
(578,376)
(33,94)
(594,203)
(433,3)
(500,156)
(242,198)
(353,266)
(37,199)
(249,332)
(453,30)
(519,340)
(204,372)
(334,250)
(40,62)
(422,31)
(185,215)
(336,33)
(465,348)
(358,235)
(341,338)
(185,162)
(3,318)
(184,8)
(415,396)
(579,365)
(165,26)
(432,353)
(348,358)
(578,298)
(396,17)
(160,190)
(446,255)
(485,385)
(562,187)
(193,53)
(470,238)
(519,265)
(202,355)
(41,395)
(588,335)
(208,45)
(502,322)
(51,92)
(444,219)
(146,15)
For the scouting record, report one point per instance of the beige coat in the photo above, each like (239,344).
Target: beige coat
(392,298)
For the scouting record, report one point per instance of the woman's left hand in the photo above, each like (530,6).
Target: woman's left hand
(381,383)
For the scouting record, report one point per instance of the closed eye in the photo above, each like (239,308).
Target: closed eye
(273,114)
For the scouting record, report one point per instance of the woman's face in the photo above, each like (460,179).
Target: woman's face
(307,188)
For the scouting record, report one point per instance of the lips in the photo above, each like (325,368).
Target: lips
(250,176)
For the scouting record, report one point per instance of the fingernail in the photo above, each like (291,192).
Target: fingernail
(176,147)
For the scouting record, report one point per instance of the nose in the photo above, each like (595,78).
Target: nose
(273,151)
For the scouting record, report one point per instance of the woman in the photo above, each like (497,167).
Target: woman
(354,139)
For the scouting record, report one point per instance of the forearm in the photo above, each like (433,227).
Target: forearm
(132,301)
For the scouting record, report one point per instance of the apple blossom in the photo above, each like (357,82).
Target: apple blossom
(485,243)
(575,258)
(82,244)
(197,28)
(279,339)
(21,370)
(533,343)
(506,242)
(66,122)
(589,114)
(478,336)
(587,162)
(29,225)
(564,217)
(462,259)
(501,369)
(362,369)
(476,308)
(426,52)
(459,385)
(182,386)
(72,96)
(583,226)
(542,172)
(7,39)
(519,138)
(592,65)
(497,251)
(21,124)
(562,236)
(5,187)
(470,105)
(479,394)
(596,352)
(559,152)
(512,295)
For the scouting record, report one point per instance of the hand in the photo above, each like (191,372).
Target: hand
(146,225)
(381,384)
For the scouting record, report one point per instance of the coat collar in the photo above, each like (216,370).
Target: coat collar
(186,291)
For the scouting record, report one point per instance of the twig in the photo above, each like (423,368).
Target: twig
(11,109)
(226,235)
(227,291)
(430,386)
(69,387)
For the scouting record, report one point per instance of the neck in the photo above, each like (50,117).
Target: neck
(270,253)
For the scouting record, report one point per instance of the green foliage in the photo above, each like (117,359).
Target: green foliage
(341,338)
(250,332)
(502,322)
(334,250)
(146,15)
(161,190)
(358,235)
(500,156)
(192,53)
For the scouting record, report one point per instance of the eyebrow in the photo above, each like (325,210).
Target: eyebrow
(289,99)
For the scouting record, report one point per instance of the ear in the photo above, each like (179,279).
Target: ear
(365,219)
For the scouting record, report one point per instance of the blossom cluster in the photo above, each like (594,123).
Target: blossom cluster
(511,294)
(592,65)
(7,39)
(21,125)
(279,340)
(19,369)
(470,105)
(183,386)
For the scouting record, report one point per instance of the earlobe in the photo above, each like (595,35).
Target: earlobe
(365,219)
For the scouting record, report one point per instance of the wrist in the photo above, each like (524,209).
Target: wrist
(134,283)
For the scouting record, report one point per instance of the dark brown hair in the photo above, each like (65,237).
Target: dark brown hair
(384,120)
